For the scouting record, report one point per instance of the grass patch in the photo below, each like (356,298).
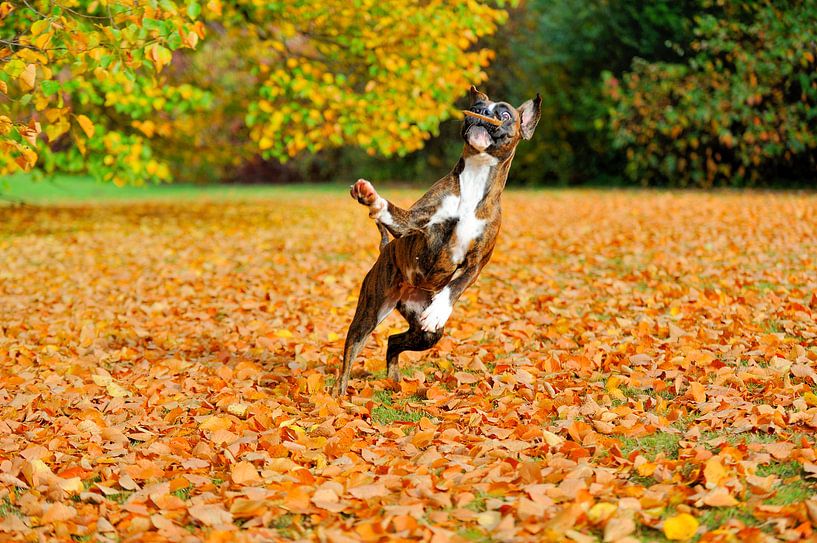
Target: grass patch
(784,470)
(88,483)
(796,491)
(772,326)
(7,508)
(475,534)
(183,493)
(388,411)
(718,516)
(383,397)
(477,505)
(745,438)
(120,497)
(650,446)
(384,414)
(35,188)
(641,480)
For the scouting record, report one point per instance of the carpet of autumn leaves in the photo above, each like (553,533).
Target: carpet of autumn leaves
(630,366)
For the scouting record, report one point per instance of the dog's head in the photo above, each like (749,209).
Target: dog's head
(499,140)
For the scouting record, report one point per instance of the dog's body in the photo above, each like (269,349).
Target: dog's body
(442,242)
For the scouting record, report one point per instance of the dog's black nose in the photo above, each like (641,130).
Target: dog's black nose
(481,110)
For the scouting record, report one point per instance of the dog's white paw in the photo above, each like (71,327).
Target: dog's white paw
(363,191)
(436,314)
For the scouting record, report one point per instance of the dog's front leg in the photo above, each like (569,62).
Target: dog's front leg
(394,219)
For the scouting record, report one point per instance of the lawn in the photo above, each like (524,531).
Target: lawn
(71,188)
(631,366)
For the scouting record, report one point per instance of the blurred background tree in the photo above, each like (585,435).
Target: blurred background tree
(741,110)
(663,92)
(101,81)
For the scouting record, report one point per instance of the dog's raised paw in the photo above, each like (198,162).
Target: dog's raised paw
(363,191)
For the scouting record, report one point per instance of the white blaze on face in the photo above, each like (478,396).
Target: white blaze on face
(436,314)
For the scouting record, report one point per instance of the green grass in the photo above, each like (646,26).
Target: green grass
(183,493)
(718,516)
(387,412)
(73,189)
(783,470)
(120,497)
(475,534)
(650,446)
(796,491)
(7,508)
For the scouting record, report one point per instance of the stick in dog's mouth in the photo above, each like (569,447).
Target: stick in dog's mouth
(495,122)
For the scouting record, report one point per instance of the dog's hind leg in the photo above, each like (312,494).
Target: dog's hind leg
(378,297)
(413,339)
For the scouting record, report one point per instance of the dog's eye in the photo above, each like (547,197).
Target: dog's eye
(504,115)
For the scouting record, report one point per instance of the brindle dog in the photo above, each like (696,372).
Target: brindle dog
(443,241)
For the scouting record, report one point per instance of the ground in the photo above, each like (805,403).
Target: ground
(631,366)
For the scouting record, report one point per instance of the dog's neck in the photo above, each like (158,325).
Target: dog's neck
(482,173)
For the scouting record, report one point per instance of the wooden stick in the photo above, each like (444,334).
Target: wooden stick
(495,122)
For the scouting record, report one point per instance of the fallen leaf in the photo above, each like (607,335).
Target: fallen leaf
(680,527)
(210,514)
(244,472)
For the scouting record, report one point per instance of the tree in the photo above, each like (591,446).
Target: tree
(742,110)
(111,87)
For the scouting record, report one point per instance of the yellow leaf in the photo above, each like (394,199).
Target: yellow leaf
(38,27)
(27,158)
(238,409)
(283,333)
(72,485)
(811,399)
(714,472)
(116,390)
(215,423)
(101,380)
(601,512)
(86,125)
(5,9)
(489,519)
(552,439)
(680,527)
(28,78)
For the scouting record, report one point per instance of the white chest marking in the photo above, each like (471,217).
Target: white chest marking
(473,182)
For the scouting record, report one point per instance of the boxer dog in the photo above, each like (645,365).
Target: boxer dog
(443,241)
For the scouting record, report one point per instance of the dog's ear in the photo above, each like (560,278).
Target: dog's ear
(476,96)
(529,114)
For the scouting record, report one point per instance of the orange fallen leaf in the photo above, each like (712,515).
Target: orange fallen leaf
(244,472)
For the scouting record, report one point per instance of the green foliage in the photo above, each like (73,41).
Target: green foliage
(124,91)
(740,111)
(561,49)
